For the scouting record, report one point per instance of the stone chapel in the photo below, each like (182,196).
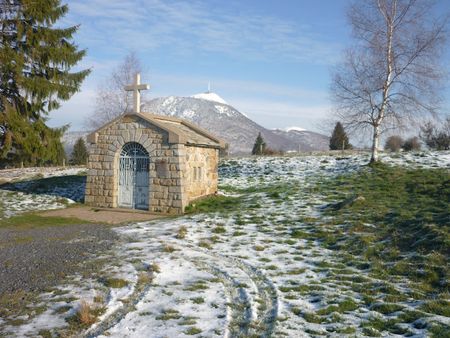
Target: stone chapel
(150,162)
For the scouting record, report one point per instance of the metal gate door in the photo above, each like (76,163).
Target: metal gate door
(133,177)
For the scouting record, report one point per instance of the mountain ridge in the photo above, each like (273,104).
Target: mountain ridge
(222,120)
(234,127)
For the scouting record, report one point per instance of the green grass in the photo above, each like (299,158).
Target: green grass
(386,308)
(31,220)
(115,283)
(396,219)
(196,286)
(205,244)
(168,314)
(192,331)
(439,330)
(219,230)
(346,305)
(188,321)
(198,300)
(181,233)
(439,307)
(16,303)
(215,203)
(312,318)
(63,309)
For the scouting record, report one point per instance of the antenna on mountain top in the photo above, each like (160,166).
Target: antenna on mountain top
(209,87)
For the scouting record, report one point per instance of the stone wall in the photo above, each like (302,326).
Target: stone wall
(201,175)
(166,165)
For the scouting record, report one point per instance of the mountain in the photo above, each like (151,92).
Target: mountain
(304,139)
(211,112)
(209,96)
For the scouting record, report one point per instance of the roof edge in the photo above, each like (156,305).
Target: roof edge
(192,126)
(174,136)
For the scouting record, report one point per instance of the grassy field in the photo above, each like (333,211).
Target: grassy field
(318,245)
(394,222)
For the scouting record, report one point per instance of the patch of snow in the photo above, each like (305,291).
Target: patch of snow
(223,110)
(168,101)
(289,129)
(45,321)
(209,96)
(188,113)
(7,175)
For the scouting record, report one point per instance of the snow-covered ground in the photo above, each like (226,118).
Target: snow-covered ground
(235,273)
(31,189)
(7,175)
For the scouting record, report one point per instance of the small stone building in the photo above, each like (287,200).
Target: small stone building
(151,162)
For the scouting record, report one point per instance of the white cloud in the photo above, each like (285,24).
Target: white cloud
(74,111)
(237,88)
(185,27)
(110,28)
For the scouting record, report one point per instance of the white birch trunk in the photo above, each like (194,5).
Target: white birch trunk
(375,144)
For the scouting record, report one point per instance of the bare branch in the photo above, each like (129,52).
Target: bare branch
(392,74)
(111,98)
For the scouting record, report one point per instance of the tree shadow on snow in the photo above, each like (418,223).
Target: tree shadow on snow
(71,187)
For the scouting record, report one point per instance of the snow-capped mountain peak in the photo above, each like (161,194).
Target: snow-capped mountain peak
(209,96)
(289,129)
(209,112)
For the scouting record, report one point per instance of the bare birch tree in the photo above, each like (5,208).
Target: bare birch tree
(111,98)
(392,74)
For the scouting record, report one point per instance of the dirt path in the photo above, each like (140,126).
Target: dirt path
(109,216)
(37,258)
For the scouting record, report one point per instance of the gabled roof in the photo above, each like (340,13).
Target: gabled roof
(180,131)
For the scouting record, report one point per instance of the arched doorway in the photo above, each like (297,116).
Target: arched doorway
(133,176)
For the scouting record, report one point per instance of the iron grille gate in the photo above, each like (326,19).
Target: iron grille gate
(133,177)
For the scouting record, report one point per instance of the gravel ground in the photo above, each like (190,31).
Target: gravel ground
(39,258)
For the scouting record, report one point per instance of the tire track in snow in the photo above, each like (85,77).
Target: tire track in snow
(115,317)
(252,300)
(262,323)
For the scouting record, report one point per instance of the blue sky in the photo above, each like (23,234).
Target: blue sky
(269,59)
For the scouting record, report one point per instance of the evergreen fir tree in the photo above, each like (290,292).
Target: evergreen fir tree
(79,153)
(35,63)
(29,142)
(339,138)
(260,146)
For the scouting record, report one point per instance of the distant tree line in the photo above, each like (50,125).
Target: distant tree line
(432,136)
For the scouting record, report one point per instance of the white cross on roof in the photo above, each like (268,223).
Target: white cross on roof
(136,87)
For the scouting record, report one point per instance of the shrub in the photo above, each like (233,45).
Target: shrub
(84,313)
(393,143)
(435,138)
(412,144)
(85,316)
